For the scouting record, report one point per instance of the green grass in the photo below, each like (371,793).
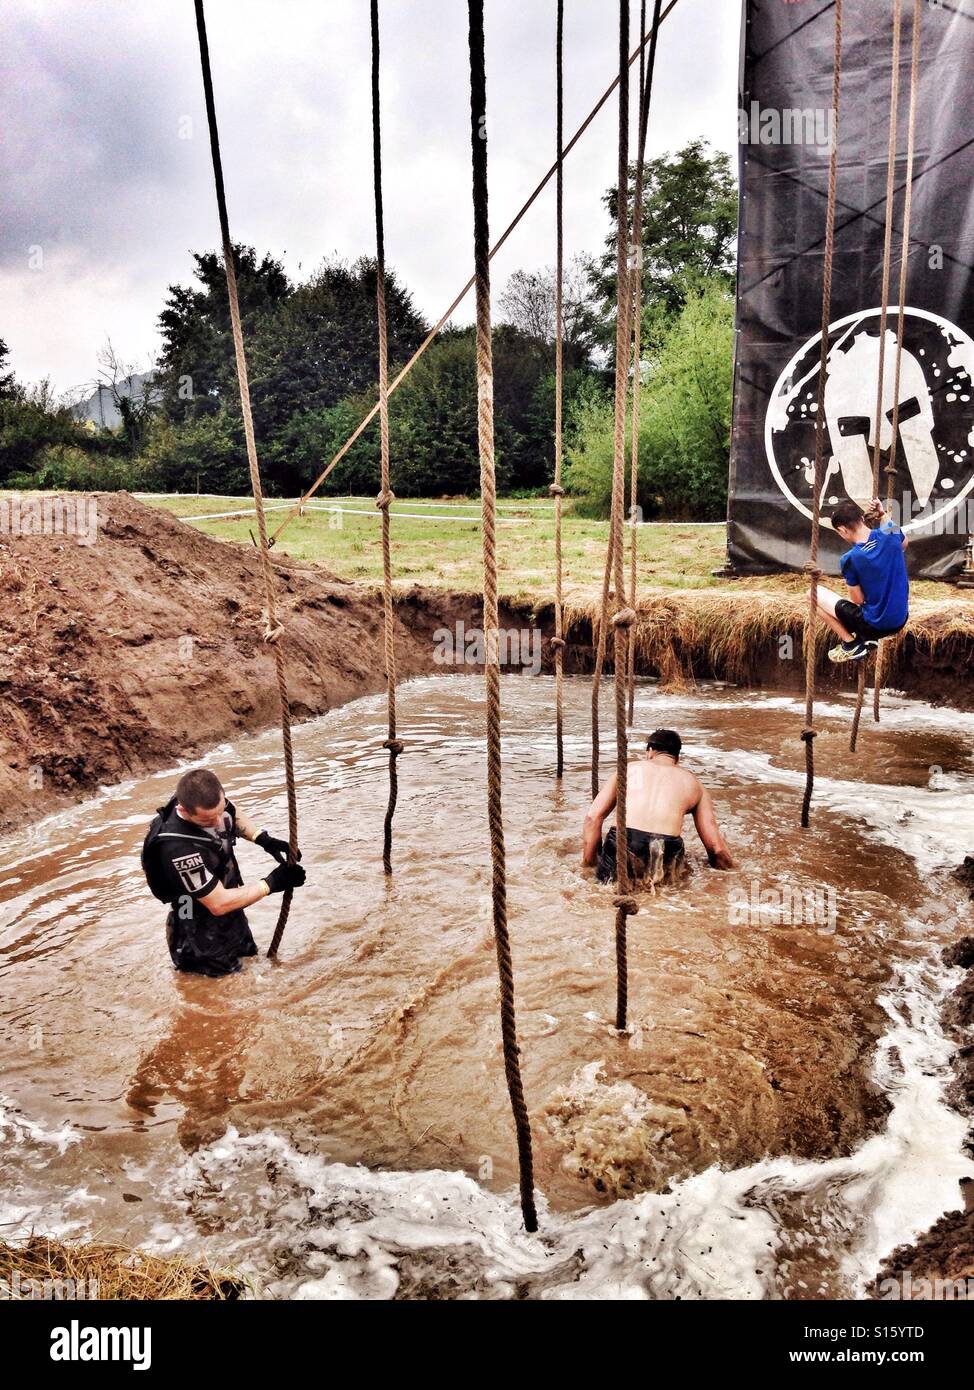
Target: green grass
(447,553)
(345,537)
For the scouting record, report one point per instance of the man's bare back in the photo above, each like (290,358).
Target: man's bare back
(660,794)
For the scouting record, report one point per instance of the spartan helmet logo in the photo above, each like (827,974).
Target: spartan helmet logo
(935,448)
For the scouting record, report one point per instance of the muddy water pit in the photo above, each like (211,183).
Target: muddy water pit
(765,1049)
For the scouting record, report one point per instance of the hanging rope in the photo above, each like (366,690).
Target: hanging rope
(386,495)
(812,566)
(443,319)
(625,905)
(605,606)
(883,313)
(556,489)
(488,492)
(645,94)
(273,630)
(904,272)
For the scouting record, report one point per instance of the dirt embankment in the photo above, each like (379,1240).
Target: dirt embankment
(146,647)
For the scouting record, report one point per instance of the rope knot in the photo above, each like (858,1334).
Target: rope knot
(624,618)
(557,644)
(394,745)
(810,567)
(626,905)
(808,735)
(271,634)
(384,499)
(555,490)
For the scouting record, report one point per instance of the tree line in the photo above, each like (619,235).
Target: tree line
(313,366)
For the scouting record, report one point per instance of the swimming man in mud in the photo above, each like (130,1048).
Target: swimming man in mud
(659,795)
(189,863)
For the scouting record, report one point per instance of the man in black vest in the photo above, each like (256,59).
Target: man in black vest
(189,861)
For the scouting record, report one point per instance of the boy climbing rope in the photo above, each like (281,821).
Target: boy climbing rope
(189,862)
(874,569)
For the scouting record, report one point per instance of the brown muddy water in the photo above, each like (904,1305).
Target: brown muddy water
(337,1123)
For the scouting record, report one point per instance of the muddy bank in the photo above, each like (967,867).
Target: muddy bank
(127,655)
(145,648)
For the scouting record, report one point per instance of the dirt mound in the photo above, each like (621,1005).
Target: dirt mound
(940,1266)
(145,647)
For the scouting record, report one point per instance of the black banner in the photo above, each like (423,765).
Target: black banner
(785,128)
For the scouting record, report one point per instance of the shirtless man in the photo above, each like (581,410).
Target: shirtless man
(659,795)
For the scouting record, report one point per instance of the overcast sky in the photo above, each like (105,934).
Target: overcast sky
(95,170)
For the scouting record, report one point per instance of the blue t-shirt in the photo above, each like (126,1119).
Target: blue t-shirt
(879,569)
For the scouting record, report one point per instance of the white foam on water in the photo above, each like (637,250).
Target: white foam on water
(306,1228)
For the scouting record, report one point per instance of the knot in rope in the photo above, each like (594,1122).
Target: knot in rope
(557,644)
(808,735)
(624,618)
(626,905)
(395,746)
(385,497)
(271,634)
(555,490)
(810,567)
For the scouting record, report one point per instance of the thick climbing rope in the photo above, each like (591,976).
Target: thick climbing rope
(904,273)
(386,495)
(273,630)
(646,70)
(812,567)
(622,621)
(604,608)
(884,310)
(488,492)
(556,489)
(444,317)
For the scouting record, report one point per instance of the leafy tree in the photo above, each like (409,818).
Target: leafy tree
(196,367)
(7,386)
(689,235)
(308,348)
(32,420)
(684,421)
(207,454)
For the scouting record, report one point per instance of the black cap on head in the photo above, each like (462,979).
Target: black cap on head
(665,741)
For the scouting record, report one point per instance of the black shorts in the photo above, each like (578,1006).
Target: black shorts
(650,855)
(211,947)
(850,616)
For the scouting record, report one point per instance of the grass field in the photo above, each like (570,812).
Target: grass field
(438,543)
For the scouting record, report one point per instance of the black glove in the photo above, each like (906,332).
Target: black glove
(285,876)
(278,848)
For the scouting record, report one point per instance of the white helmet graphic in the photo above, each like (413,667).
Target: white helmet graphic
(935,444)
(850,412)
